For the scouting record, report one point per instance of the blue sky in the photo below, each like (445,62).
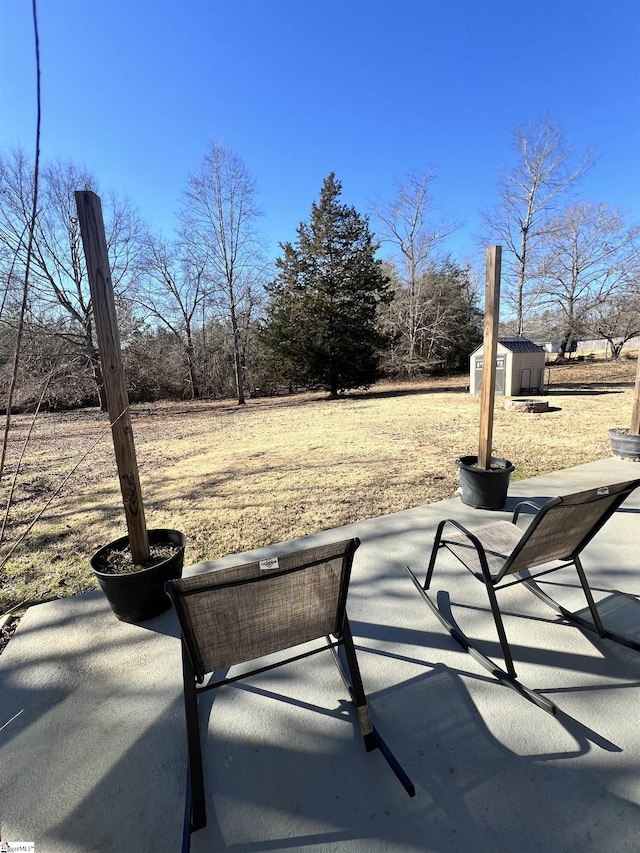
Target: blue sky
(370,89)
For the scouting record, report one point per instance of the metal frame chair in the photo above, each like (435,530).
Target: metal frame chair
(499,550)
(235,615)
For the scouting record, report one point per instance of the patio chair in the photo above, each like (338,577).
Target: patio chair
(235,615)
(499,555)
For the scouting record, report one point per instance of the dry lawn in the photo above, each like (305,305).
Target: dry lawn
(234,478)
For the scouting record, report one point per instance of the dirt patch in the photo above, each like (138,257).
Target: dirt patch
(119,561)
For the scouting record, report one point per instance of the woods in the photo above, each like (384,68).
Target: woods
(205,312)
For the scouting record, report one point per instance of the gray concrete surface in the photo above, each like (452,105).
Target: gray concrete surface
(92,746)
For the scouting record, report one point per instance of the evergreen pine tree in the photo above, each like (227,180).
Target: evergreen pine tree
(322,321)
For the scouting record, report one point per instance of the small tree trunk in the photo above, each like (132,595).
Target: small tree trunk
(564,346)
(238,370)
(520,291)
(237,359)
(191,366)
(93,356)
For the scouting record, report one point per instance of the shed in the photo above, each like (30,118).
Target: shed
(519,368)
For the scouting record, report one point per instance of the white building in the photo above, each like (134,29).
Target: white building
(519,368)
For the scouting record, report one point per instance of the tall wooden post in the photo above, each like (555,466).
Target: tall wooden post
(635,412)
(491,317)
(104,312)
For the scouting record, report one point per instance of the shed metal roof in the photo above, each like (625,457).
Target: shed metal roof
(519,345)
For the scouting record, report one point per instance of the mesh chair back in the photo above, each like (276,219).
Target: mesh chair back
(565,525)
(242,613)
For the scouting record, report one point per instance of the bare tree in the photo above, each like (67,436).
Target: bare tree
(172,289)
(218,216)
(590,258)
(530,194)
(448,323)
(59,294)
(410,223)
(618,319)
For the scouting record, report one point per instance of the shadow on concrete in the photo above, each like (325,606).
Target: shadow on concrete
(333,796)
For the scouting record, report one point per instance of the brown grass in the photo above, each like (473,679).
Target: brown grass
(233,478)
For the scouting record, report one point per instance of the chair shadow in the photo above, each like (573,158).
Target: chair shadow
(469,784)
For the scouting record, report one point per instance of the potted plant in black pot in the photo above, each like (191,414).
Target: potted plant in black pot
(484,487)
(484,479)
(135,591)
(625,442)
(133,569)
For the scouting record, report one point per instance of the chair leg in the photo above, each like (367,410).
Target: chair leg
(486,575)
(596,626)
(502,634)
(442,610)
(372,738)
(437,544)
(597,621)
(196,776)
(357,687)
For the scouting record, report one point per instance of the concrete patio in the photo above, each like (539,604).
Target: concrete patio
(92,744)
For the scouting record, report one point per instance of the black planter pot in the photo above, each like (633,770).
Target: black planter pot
(484,489)
(624,445)
(137,596)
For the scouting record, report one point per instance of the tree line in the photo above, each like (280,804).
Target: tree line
(353,297)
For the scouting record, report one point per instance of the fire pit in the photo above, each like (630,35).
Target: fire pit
(522,404)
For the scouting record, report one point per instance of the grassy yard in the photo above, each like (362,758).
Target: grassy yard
(233,478)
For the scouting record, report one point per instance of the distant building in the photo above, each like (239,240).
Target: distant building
(554,346)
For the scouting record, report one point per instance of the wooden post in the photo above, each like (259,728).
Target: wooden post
(104,312)
(490,349)
(635,412)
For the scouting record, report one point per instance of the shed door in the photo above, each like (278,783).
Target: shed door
(501,373)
